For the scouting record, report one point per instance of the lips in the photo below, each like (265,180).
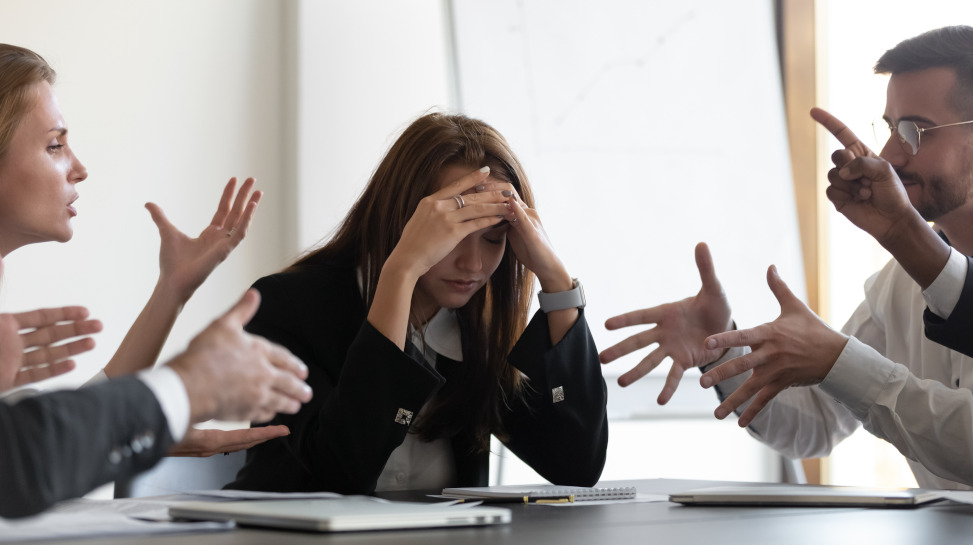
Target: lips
(71,209)
(463,285)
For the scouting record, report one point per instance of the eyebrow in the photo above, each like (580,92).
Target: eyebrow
(914,118)
(61,131)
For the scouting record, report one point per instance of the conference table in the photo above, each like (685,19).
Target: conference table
(656,522)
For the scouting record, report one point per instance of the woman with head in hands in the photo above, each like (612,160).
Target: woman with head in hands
(413,320)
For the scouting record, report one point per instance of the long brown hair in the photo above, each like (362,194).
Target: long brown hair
(475,397)
(20,69)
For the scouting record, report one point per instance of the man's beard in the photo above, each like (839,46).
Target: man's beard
(937,197)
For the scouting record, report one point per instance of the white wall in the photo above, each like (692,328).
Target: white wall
(365,71)
(165,100)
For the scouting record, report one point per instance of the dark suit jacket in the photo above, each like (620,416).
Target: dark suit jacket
(342,439)
(63,444)
(955,332)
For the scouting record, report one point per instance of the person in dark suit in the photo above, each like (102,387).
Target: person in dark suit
(62,444)
(39,174)
(413,321)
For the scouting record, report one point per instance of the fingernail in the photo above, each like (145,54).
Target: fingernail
(710,343)
(485,169)
(720,414)
(507,204)
(843,172)
(480,188)
(705,381)
(506,193)
(307,389)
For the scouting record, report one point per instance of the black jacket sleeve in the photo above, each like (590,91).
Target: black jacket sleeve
(365,396)
(562,428)
(955,332)
(63,444)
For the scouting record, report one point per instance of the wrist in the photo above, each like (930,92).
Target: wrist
(556,281)
(167,293)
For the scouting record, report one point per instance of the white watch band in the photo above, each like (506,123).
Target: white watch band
(573,298)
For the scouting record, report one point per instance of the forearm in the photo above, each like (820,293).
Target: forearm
(346,440)
(144,341)
(924,419)
(561,430)
(391,306)
(917,248)
(62,444)
(559,321)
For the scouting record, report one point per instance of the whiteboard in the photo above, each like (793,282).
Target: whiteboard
(645,127)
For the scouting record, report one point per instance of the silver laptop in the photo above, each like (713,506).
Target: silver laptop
(347,514)
(807,495)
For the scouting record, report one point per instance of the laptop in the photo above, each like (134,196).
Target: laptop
(807,496)
(347,514)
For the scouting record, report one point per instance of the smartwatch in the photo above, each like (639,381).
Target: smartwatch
(573,298)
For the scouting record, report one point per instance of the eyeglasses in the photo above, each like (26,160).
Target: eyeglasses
(907,132)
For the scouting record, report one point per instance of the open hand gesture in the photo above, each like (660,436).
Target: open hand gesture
(186,262)
(29,349)
(208,442)
(680,329)
(796,349)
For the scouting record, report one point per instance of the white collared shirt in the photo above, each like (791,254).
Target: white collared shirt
(903,387)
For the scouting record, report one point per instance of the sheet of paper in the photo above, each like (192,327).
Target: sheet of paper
(93,524)
(959,496)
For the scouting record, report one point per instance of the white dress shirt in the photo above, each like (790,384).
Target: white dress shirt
(903,387)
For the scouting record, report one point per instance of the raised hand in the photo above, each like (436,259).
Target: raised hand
(796,349)
(201,443)
(232,375)
(442,220)
(185,262)
(29,349)
(864,187)
(680,329)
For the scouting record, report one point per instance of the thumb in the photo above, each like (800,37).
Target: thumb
(159,217)
(707,272)
(244,309)
(784,295)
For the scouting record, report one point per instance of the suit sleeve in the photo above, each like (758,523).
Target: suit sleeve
(955,331)
(561,429)
(63,444)
(362,407)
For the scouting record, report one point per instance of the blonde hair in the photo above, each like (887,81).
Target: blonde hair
(20,70)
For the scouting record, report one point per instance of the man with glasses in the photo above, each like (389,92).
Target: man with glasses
(881,371)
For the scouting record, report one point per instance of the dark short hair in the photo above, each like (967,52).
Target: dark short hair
(947,47)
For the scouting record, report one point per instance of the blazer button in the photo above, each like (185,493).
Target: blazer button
(115,456)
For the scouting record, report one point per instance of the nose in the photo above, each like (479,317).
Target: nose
(468,256)
(894,152)
(78,171)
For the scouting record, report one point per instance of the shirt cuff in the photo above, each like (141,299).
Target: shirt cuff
(942,295)
(857,377)
(171,394)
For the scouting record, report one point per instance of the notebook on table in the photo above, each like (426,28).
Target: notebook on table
(807,496)
(346,514)
(540,493)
